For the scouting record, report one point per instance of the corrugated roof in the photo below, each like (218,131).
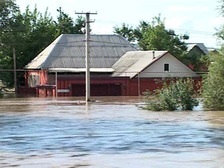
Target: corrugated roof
(133,62)
(68,51)
(81,70)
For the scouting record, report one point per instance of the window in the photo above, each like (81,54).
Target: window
(33,80)
(166,67)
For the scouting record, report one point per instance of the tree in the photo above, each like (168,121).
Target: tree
(66,25)
(213,84)
(28,33)
(131,34)
(79,25)
(31,33)
(220,31)
(222,7)
(126,31)
(39,31)
(8,12)
(155,36)
(8,8)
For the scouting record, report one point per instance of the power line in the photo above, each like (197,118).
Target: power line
(179,30)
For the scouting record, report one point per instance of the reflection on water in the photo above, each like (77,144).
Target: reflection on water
(110,132)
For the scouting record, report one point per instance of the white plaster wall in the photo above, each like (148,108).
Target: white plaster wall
(176,68)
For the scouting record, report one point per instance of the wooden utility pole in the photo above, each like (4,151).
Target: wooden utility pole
(87,40)
(14,69)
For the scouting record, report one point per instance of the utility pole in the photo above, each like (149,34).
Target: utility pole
(14,61)
(87,51)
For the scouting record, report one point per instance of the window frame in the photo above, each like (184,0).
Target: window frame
(166,67)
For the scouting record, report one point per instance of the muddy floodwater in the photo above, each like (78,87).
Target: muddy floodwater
(112,132)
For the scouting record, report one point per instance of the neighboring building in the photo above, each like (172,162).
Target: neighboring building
(147,69)
(195,52)
(198,48)
(117,68)
(151,64)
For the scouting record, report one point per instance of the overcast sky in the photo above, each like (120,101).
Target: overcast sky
(198,18)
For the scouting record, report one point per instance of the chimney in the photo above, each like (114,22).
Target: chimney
(153,54)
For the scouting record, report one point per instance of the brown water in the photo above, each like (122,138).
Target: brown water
(109,133)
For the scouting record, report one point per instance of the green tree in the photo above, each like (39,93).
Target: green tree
(39,31)
(213,84)
(131,34)
(155,36)
(221,6)
(8,12)
(220,30)
(126,31)
(28,33)
(79,25)
(66,25)
(8,8)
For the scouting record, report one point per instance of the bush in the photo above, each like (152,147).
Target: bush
(177,94)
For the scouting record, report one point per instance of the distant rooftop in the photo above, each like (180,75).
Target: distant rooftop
(190,46)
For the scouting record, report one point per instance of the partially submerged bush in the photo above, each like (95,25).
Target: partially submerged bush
(177,94)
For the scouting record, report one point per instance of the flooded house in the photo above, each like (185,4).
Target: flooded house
(117,68)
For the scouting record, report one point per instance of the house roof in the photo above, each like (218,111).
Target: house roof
(201,46)
(149,63)
(67,53)
(134,62)
(108,70)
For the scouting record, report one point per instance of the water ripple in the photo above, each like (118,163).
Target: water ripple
(68,132)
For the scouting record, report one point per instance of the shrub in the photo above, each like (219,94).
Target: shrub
(177,94)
